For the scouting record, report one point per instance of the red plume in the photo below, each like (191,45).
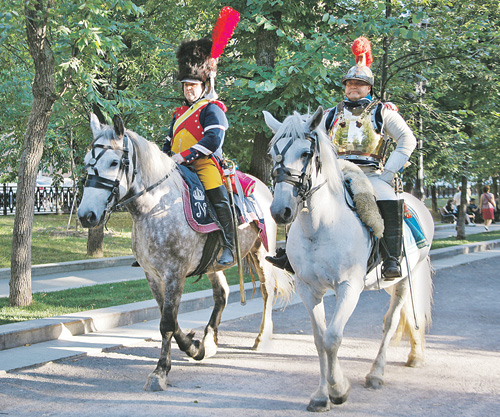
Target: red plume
(223,30)
(360,47)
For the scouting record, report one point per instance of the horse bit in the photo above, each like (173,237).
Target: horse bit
(301,180)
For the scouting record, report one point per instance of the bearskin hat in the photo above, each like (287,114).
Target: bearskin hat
(193,58)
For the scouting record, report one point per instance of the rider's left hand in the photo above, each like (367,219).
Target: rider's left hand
(178,158)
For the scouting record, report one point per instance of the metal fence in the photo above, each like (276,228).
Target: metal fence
(47,199)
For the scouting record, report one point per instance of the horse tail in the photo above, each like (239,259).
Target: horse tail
(275,279)
(284,284)
(422,287)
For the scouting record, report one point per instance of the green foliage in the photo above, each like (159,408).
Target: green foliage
(119,57)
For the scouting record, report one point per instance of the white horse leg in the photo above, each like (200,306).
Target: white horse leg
(347,299)
(422,294)
(267,284)
(313,302)
(221,294)
(399,293)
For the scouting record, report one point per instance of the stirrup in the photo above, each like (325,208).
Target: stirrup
(391,269)
(280,260)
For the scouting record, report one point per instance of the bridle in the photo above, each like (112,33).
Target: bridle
(113,186)
(113,202)
(301,180)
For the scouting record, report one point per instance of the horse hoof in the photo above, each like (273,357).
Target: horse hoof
(262,345)
(318,406)
(155,383)
(415,362)
(374,383)
(200,349)
(342,399)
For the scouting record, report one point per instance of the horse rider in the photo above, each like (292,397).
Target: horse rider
(362,129)
(197,133)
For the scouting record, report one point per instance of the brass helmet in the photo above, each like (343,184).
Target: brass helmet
(362,50)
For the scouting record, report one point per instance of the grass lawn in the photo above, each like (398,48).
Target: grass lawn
(477,237)
(52,243)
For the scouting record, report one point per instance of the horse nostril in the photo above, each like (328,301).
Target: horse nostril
(89,219)
(287,214)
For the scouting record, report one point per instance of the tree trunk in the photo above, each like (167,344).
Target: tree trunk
(494,187)
(386,42)
(435,208)
(95,242)
(265,55)
(408,186)
(479,189)
(462,210)
(43,100)
(260,165)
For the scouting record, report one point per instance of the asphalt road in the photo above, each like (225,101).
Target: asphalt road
(461,376)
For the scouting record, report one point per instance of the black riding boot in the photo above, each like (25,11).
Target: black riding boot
(391,247)
(220,201)
(280,260)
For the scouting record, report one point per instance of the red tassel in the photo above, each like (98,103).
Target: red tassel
(360,47)
(223,30)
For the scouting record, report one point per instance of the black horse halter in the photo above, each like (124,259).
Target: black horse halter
(97,181)
(301,180)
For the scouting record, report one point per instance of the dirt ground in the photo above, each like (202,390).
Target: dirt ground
(461,376)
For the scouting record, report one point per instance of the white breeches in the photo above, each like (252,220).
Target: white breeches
(383,191)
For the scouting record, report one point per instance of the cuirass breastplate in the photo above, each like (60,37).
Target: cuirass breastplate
(357,143)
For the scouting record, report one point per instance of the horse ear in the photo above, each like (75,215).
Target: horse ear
(273,124)
(95,125)
(315,120)
(118,126)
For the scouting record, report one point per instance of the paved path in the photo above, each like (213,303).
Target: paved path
(461,376)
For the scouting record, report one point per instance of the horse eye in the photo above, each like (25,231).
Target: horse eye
(113,163)
(306,155)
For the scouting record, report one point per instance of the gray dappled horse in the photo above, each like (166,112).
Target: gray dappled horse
(124,167)
(328,248)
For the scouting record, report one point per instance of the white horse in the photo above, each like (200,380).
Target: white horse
(124,167)
(328,248)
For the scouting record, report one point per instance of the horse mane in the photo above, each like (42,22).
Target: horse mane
(153,163)
(293,127)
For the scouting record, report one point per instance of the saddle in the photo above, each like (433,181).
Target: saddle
(201,216)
